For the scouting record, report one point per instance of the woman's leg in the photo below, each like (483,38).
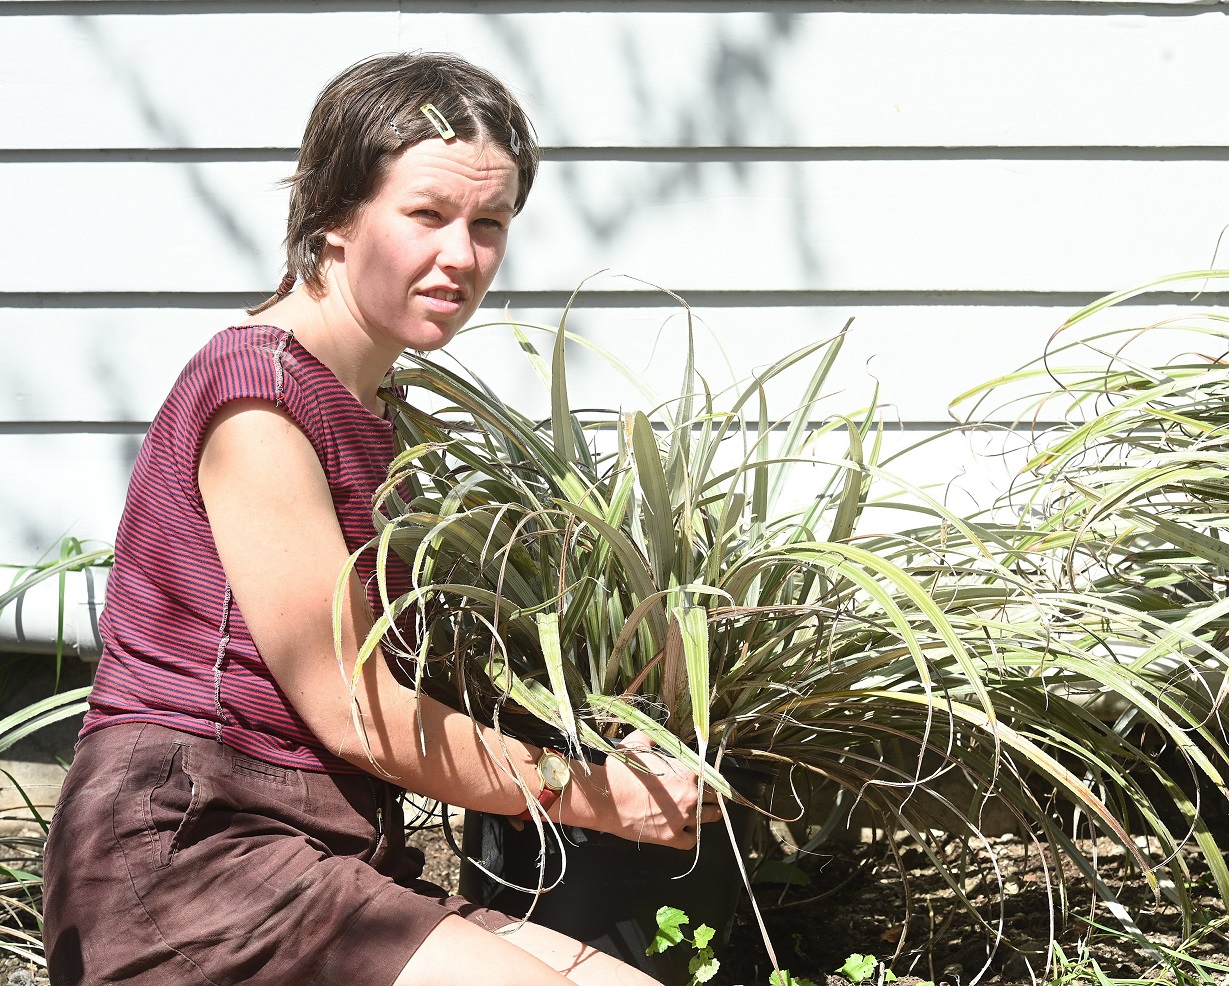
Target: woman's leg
(458,951)
(578,962)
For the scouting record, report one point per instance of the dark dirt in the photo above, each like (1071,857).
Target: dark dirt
(854,901)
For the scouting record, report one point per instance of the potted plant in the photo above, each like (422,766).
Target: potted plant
(606,571)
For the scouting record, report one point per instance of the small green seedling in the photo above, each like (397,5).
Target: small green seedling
(670,920)
(779,871)
(782,977)
(859,968)
(704,964)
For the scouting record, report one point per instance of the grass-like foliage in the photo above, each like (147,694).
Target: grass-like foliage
(21,851)
(1130,490)
(603,571)
(1182,965)
(1125,499)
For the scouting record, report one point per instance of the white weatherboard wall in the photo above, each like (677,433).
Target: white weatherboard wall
(958,176)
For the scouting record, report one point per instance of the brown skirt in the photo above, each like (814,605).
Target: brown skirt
(175,859)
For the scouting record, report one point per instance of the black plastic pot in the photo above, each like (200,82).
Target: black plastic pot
(612,888)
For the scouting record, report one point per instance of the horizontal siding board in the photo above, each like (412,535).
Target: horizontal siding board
(779,76)
(165,226)
(114,366)
(57,485)
(95,365)
(75,484)
(980,225)
(176,80)
(773,77)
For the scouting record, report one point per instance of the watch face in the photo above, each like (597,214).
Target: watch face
(554,770)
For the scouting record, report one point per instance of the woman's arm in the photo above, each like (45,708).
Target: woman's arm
(282,548)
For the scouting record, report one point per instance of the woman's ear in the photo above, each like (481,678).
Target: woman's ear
(336,238)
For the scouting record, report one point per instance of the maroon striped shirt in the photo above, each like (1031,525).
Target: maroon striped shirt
(177,650)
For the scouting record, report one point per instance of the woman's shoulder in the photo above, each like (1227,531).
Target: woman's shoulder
(238,358)
(236,363)
(237,343)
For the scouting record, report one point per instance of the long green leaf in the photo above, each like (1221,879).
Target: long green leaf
(659,512)
(552,653)
(34,717)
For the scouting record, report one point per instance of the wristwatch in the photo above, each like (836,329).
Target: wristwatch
(554,771)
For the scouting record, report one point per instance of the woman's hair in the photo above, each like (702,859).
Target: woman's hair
(369,112)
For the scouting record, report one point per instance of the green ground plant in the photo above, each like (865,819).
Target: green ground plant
(21,852)
(859,968)
(72,555)
(704,963)
(604,571)
(1179,965)
(1126,499)
(670,923)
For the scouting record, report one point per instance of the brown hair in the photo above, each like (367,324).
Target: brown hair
(368,113)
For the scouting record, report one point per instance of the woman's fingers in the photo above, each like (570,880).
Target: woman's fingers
(657,799)
(709,813)
(637,740)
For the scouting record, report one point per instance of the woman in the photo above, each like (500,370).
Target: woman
(221,822)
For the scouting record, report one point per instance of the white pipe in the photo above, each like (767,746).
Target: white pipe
(28,624)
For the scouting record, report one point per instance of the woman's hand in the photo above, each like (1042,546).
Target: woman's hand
(652,798)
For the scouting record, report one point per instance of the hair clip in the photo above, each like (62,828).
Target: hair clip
(515,143)
(437,120)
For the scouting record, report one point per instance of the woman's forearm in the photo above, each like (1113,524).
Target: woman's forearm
(439,752)
(284,585)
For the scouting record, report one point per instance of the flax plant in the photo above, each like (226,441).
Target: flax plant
(600,572)
(1132,482)
(1125,498)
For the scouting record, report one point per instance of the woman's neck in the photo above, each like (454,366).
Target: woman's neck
(336,340)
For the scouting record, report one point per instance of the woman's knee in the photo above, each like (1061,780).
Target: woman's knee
(457,951)
(581,964)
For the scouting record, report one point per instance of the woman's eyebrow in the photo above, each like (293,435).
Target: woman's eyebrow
(501,205)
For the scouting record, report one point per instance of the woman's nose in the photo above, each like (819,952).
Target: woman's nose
(456,248)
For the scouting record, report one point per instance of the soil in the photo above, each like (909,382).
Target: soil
(856,899)
(852,899)
(854,902)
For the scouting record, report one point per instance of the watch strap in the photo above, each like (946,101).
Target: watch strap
(547,795)
(546,798)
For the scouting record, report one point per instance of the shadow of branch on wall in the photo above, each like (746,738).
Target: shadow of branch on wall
(739,99)
(161,122)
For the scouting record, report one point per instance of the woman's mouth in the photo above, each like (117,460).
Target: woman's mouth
(443,300)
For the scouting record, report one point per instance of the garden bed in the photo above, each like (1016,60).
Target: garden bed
(854,902)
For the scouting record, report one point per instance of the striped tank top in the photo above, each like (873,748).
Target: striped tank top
(176,649)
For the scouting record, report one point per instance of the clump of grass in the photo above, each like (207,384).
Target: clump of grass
(605,571)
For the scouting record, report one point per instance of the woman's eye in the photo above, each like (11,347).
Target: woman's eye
(489,224)
(430,215)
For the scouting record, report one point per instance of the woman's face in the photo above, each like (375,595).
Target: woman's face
(421,253)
